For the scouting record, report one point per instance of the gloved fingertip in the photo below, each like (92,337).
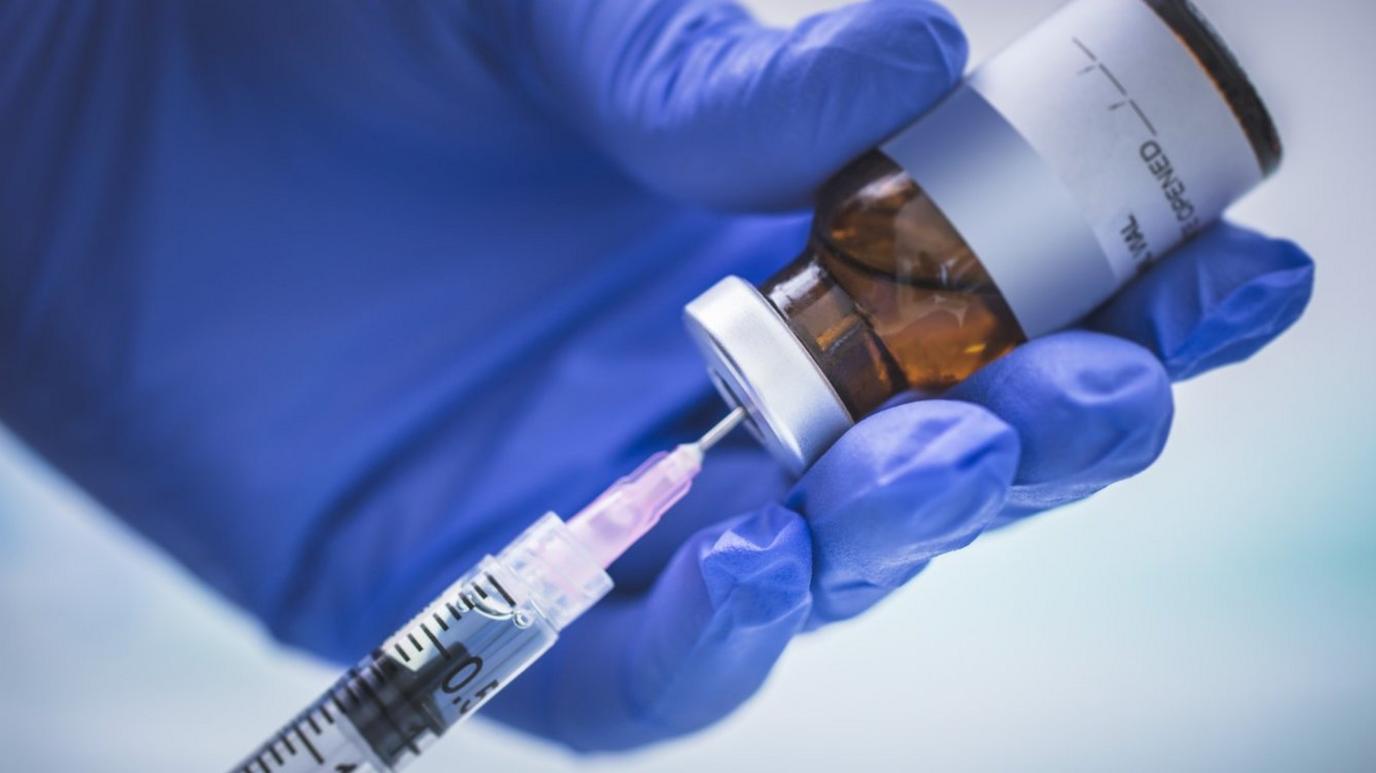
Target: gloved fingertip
(957,470)
(700,656)
(1247,318)
(946,38)
(908,484)
(757,571)
(710,107)
(1090,409)
(1217,300)
(913,444)
(919,37)
(645,667)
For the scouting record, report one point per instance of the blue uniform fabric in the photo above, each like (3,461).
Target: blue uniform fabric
(329,299)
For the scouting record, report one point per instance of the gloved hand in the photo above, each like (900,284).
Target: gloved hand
(330,299)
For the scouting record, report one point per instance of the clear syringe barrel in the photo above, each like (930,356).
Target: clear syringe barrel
(436,671)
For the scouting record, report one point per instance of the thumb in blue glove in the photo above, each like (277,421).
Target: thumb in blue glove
(699,101)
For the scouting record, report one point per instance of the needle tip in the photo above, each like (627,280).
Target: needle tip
(721,430)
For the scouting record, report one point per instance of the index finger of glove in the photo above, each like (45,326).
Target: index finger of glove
(900,488)
(1217,300)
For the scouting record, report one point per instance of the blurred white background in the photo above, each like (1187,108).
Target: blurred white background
(1218,612)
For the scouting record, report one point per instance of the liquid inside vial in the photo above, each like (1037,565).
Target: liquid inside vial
(888,297)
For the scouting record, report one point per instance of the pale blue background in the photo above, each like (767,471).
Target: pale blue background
(1218,612)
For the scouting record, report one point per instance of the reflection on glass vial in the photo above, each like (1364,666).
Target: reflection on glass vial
(888,296)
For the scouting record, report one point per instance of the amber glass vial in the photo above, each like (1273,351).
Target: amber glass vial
(889,296)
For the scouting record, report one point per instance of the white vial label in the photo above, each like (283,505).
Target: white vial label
(1123,112)
(1070,161)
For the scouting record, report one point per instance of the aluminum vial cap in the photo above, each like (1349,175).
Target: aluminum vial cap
(757,363)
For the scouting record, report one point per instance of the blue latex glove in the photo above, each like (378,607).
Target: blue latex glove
(329,299)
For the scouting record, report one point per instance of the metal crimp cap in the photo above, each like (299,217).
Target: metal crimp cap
(758,364)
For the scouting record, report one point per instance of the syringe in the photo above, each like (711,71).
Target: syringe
(480,633)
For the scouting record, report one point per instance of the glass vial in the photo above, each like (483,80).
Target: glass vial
(1062,168)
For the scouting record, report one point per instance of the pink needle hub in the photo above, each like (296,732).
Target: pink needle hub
(623,513)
